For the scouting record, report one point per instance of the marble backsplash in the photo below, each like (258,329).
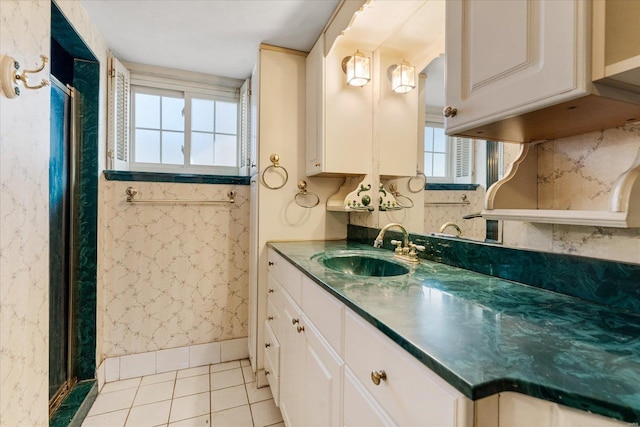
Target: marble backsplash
(174,274)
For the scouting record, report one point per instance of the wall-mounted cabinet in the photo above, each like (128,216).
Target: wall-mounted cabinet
(339,117)
(521,71)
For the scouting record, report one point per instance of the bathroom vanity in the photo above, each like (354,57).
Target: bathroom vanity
(439,346)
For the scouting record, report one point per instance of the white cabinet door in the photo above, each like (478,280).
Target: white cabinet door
(360,408)
(339,117)
(506,58)
(323,380)
(292,356)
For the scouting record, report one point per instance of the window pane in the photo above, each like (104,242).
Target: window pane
(172,118)
(439,140)
(439,164)
(147,146)
(225,150)
(428,138)
(226,117)
(147,111)
(201,148)
(202,115)
(172,143)
(428,164)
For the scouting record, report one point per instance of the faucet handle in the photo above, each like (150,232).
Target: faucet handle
(398,245)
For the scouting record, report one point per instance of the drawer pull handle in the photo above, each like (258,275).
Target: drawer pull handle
(270,263)
(270,318)
(294,321)
(267,345)
(376,376)
(300,329)
(270,291)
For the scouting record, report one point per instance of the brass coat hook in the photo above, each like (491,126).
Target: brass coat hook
(10,76)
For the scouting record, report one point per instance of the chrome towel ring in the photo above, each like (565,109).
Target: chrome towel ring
(303,194)
(275,166)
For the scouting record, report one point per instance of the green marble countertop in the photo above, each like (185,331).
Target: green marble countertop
(486,335)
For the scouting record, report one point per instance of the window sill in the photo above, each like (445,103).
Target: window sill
(448,186)
(112,175)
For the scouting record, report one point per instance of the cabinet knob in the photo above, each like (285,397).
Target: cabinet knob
(266,372)
(376,376)
(270,291)
(269,318)
(318,165)
(450,112)
(294,321)
(270,263)
(267,345)
(300,329)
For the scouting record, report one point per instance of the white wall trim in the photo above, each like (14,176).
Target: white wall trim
(155,362)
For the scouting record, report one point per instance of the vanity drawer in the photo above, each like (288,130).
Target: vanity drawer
(273,314)
(271,349)
(286,275)
(272,378)
(410,391)
(325,312)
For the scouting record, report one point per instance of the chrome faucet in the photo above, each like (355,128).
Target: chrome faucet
(405,250)
(451,224)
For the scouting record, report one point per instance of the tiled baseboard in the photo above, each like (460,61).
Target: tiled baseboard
(155,362)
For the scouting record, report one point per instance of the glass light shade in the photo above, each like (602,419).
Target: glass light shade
(403,78)
(357,69)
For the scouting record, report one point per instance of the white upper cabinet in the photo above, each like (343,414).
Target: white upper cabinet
(339,117)
(521,71)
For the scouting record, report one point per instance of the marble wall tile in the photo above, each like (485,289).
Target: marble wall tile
(436,215)
(175,275)
(578,173)
(24,219)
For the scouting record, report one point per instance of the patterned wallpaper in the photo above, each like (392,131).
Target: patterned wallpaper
(24,219)
(174,275)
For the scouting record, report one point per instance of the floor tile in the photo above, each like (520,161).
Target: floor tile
(109,402)
(192,385)
(193,372)
(150,415)
(245,362)
(190,406)
(120,385)
(226,379)
(248,374)
(234,417)
(265,413)
(225,366)
(110,419)
(158,378)
(201,421)
(258,394)
(154,393)
(227,398)
(277,425)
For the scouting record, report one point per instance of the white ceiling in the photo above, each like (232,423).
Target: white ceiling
(218,37)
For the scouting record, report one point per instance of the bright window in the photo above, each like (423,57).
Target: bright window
(436,152)
(447,159)
(179,131)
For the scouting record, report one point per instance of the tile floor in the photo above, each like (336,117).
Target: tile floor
(221,395)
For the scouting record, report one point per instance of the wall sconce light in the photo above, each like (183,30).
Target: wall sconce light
(9,77)
(357,69)
(402,77)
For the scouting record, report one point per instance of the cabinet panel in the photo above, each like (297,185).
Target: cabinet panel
(360,408)
(291,364)
(326,313)
(323,370)
(510,58)
(272,363)
(408,384)
(286,275)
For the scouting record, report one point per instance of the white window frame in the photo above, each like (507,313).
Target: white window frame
(186,167)
(451,161)
(124,78)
